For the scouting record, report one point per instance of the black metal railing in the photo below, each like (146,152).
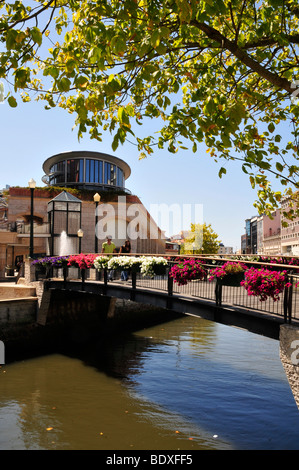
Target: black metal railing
(286,307)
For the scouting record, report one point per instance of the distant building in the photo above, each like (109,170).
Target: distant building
(289,234)
(262,235)
(251,235)
(172,248)
(272,234)
(225,250)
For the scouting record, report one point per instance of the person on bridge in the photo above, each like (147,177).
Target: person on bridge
(109,247)
(126,248)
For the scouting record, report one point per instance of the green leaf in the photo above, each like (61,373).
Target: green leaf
(36,35)
(81,82)
(12,102)
(271,127)
(222,171)
(63,84)
(11,39)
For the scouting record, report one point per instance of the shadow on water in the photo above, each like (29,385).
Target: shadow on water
(227,381)
(217,386)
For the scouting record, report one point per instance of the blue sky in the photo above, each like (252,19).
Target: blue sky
(30,134)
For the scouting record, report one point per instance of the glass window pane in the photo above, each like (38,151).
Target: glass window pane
(73,223)
(74,206)
(60,206)
(113,174)
(91,165)
(96,171)
(60,222)
(100,172)
(87,171)
(81,171)
(107,173)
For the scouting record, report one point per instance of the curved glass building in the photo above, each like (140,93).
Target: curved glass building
(86,170)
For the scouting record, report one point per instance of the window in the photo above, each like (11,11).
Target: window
(107,173)
(74,171)
(119,177)
(87,171)
(113,175)
(57,173)
(96,171)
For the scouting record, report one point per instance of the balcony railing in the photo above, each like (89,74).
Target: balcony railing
(287,308)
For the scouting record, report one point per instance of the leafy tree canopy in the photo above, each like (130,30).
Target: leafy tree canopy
(202,240)
(222,73)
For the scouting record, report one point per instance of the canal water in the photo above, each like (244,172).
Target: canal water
(187,384)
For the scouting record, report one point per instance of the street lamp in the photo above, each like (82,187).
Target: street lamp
(31,185)
(80,235)
(96,199)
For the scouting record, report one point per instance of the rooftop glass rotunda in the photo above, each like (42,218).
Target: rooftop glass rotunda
(86,170)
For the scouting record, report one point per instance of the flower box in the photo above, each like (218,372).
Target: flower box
(231,280)
(229,274)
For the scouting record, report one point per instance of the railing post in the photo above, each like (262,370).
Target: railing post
(287,301)
(133,290)
(290,301)
(105,281)
(170,285)
(83,274)
(218,293)
(65,273)
(169,290)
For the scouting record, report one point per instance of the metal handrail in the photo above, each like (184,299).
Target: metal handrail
(285,308)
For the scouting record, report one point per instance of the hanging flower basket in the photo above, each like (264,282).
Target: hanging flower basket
(229,274)
(153,265)
(135,265)
(187,271)
(101,262)
(265,283)
(231,280)
(159,269)
(120,263)
(82,261)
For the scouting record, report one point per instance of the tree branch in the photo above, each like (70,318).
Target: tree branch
(225,43)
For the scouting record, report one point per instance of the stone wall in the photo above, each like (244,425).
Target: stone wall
(289,354)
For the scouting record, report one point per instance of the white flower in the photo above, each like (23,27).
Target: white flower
(101,262)
(122,262)
(148,264)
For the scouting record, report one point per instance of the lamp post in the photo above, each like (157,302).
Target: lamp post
(96,199)
(31,185)
(80,235)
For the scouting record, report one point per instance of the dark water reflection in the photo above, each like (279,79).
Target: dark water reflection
(185,384)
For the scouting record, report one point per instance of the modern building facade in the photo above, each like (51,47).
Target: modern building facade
(262,235)
(86,170)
